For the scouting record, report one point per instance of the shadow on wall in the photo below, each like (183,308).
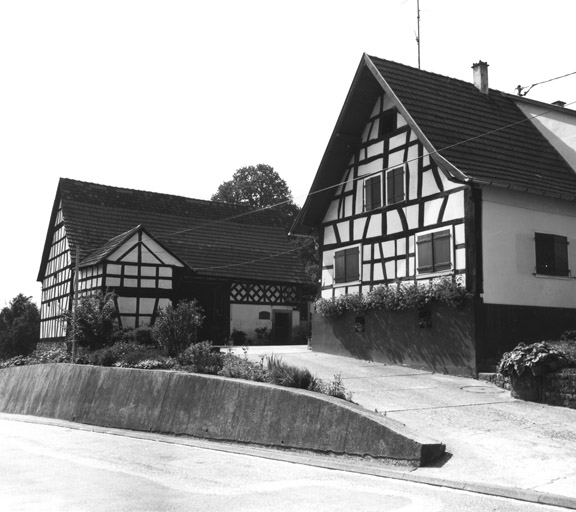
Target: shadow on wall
(439,339)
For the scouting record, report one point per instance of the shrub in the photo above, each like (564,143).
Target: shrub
(241,368)
(539,358)
(568,336)
(19,327)
(140,336)
(399,297)
(333,388)
(177,327)
(200,358)
(93,323)
(238,338)
(287,375)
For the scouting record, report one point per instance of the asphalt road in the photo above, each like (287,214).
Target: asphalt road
(50,467)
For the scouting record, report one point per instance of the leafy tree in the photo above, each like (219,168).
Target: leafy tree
(259,186)
(93,324)
(19,327)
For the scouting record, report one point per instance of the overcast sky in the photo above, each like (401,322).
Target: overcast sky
(174,96)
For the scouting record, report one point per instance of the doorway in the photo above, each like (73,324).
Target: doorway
(282,327)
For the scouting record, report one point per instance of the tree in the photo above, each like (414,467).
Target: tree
(259,186)
(19,327)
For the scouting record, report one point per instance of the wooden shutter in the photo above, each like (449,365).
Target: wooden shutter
(441,250)
(373,193)
(434,252)
(340,267)
(352,264)
(425,261)
(347,265)
(395,185)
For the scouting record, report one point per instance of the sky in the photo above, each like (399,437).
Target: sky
(174,96)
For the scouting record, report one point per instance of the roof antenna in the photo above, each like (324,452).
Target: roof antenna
(418,34)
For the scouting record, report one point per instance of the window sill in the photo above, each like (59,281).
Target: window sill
(440,273)
(558,278)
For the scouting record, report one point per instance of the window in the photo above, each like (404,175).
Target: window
(373,192)
(387,122)
(395,180)
(347,265)
(551,255)
(434,252)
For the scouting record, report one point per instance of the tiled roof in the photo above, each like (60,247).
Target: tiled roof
(485,137)
(214,239)
(454,115)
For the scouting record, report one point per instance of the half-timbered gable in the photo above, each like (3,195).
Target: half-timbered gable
(395,216)
(426,176)
(155,249)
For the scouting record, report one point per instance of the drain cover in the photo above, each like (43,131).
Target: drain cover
(482,389)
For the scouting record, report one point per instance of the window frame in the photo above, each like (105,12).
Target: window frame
(352,250)
(387,180)
(557,271)
(431,270)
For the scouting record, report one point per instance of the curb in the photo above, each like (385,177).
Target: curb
(332,462)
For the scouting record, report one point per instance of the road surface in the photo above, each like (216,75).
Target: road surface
(55,468)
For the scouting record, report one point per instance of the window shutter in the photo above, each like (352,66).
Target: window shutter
(425,262)
(340,267)
(395,185)
(561,256)
(441,250)
(352,264)
(372,193)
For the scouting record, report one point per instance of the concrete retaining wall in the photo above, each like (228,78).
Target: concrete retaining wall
(443,344)
(209,407)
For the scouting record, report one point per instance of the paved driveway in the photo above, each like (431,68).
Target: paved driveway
(490,437)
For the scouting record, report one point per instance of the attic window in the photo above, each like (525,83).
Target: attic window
(387,122)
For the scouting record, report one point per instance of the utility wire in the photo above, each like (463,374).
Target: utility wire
(343,183)
(523,91)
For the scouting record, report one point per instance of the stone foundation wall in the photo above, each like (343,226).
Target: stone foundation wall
(559,388)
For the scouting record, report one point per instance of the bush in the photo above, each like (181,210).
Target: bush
(93,323)
(333,388)
(539,358)
(237,367)
(238,338)
(140,336)
(177,328)
(400,297)
(568,336)
(287,375)
(19,327)
(200,358)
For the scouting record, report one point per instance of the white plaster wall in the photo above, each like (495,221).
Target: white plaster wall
(509,221)
(244,317)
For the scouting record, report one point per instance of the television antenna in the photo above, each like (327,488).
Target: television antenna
(418,27)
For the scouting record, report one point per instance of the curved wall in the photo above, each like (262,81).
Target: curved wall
(209,407)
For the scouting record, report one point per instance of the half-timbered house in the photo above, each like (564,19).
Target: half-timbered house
(154,249)
(427,176)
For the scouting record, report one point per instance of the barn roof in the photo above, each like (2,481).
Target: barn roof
(213,239)
(475,138)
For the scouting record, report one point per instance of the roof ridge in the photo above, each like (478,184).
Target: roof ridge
(206,201)
(412,68)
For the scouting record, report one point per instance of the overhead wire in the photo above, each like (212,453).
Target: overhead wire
(527,89)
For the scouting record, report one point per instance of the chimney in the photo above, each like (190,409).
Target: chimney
(480,70)
(559,103)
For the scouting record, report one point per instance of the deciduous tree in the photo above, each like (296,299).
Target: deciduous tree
(19,327)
